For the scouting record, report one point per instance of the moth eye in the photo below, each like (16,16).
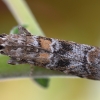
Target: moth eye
(1,35)
(1,47)
(2,52)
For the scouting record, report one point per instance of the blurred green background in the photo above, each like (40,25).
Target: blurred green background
(74,20)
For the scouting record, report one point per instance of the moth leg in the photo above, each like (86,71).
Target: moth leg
(23,30)
(13,61)
(32,70)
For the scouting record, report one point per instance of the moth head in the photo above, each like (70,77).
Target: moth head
(1,49)
(2,43)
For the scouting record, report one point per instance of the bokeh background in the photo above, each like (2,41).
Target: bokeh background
(74,20)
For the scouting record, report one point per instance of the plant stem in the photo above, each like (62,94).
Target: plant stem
(23,15)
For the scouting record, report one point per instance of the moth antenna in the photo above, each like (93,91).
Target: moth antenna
(20,29)
(23,30)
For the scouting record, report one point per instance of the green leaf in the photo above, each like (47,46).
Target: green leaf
(42,81)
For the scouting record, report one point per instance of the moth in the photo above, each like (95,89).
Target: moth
(65,56)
